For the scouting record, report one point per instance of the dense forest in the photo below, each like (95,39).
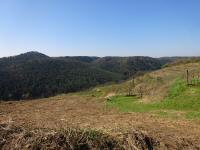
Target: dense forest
(35,75)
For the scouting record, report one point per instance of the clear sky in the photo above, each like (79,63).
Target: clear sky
(100,27)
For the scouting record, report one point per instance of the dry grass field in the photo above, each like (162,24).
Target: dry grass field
(87,113)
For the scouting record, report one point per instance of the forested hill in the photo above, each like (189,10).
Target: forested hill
(127,66)
(35,75)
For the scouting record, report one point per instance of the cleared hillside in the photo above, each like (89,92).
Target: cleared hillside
(162,93)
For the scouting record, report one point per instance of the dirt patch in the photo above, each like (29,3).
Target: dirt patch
(109,95)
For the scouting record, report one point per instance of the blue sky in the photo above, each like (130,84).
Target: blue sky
(100,27)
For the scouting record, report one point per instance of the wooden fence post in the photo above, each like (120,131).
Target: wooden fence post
(187,76)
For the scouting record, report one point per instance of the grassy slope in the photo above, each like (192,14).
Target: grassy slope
(182,102)
(156,84)
(181,97)
(165,93)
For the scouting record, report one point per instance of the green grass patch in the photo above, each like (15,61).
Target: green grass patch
(128,104)
(181,98)
(177,88)
(187,100)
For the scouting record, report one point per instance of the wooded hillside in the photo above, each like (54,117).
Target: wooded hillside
(34,75)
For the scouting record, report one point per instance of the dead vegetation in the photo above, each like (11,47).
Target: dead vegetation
(43,117)
(12,137)
(70,139)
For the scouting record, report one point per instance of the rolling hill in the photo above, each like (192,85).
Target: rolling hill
(35,75)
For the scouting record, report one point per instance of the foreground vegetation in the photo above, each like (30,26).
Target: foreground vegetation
(67,139)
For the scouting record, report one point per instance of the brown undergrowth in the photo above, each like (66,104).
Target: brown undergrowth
(12,137)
